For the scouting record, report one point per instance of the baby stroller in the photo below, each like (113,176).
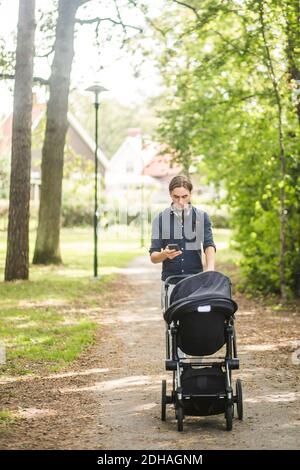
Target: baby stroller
(199,315)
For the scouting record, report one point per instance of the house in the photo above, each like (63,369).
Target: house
(125,183)
(78,143)
(139,173)
(161,168)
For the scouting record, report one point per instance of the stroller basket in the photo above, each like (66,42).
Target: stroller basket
(207,380)
(202,389)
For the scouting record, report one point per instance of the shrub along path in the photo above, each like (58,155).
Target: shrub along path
(109,398)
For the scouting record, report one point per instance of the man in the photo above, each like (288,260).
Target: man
(172,226)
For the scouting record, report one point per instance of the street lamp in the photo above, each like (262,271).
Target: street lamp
(96,89)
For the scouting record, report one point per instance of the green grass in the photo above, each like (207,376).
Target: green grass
(46,322)
(226,254)
(227,258)
(5,417)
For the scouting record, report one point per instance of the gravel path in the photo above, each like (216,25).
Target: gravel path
(110,398)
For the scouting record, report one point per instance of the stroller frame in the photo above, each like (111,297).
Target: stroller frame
(177,364)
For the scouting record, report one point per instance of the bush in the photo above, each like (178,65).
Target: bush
(220,221)
(77,203)
(77,215)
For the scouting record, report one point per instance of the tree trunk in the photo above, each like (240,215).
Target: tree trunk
(47,248)
(17,256)
(292,18)
(282,158)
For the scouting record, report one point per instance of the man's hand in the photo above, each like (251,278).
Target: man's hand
(170,254)
(159,256)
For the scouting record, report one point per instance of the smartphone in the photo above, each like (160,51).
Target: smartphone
(173,246)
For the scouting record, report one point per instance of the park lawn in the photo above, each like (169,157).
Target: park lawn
(6,418)
(46,322)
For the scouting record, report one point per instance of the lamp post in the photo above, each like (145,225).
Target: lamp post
(96,89)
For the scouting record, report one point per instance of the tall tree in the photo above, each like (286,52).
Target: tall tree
(17,257)
(47,248)
(291,13)
(282,156)
(232,71)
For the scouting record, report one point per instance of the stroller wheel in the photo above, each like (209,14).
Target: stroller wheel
(229,415)
(179,416)
(163,399)
(239,399)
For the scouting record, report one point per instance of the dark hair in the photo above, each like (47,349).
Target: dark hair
(180,181)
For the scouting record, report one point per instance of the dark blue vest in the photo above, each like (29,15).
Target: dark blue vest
(189,262)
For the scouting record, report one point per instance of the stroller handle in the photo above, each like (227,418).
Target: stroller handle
(181,276)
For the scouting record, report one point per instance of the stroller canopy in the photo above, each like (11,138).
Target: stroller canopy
(205,288)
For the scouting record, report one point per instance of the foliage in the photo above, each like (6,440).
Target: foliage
(219,221)
(114,120)
(220,107)
(77,204)
(4,177)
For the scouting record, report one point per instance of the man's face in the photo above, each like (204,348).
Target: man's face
(180,197)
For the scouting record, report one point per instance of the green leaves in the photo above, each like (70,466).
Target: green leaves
(227,111)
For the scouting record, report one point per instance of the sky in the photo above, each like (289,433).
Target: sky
(112,67)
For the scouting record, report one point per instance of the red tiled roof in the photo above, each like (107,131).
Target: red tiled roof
(133,131)
(5,134)
(161,166)
(38,110)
